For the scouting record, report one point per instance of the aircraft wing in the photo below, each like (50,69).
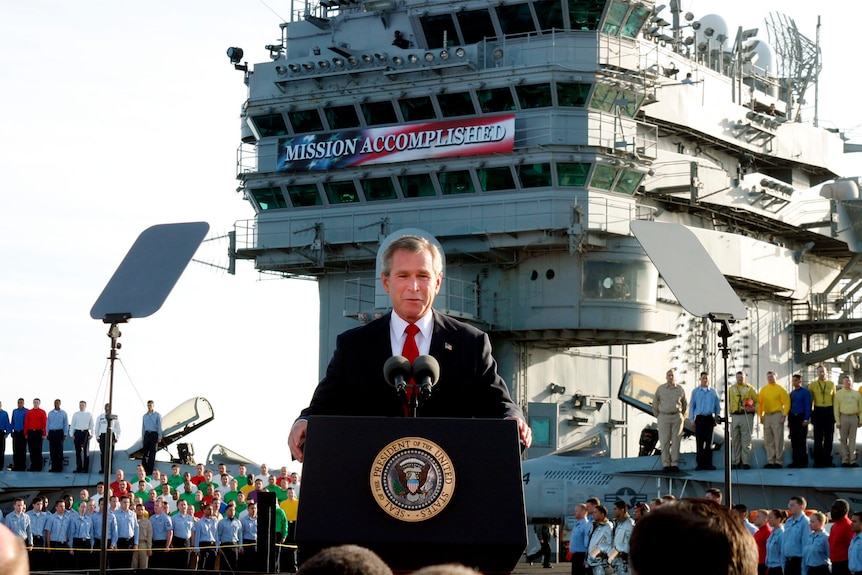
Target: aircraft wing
(831,479)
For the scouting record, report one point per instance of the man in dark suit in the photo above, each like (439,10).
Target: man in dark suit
(469,385)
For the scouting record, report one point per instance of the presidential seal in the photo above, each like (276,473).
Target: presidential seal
(412,479)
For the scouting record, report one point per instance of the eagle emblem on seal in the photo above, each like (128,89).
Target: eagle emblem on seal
(412,476)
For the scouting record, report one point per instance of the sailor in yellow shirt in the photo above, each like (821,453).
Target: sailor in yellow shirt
(848,409)
(773,407)
(822,417)
(743,404)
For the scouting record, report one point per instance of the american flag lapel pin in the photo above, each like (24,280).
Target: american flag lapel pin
(447,346)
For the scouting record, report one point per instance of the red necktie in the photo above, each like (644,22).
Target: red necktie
(411,352)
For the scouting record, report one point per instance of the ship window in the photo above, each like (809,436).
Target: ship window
(456,183)
(534,175)
(603,177)
(541,428)
(585,14)
(341,117)
(495,179)
(416,186)
(572,95)
(414,109)
(270,125)
(635,21)
(304,195)
(632,102)
(534,96)
(437,27)
(603,98)
(459,104)
(550,14)
(269,198)
(621,281)
(614,18)
(515,19)
(495,100)
(341,192)
(379,189)
(305,121)
(379,113)
(573,174)
(628,182)
(475,26)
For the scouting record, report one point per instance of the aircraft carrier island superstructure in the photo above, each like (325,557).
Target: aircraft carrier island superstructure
(525,136)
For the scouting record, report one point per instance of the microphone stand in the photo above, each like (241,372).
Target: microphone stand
(413,406)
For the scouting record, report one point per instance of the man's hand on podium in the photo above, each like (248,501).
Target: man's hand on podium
(524,431)
(296,439)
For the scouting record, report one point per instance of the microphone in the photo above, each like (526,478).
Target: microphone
(397,371)
(426,373)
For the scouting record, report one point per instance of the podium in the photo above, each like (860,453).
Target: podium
(415,491)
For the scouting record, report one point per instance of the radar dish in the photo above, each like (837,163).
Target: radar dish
(717,25)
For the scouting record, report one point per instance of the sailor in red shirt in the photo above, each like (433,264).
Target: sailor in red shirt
(200,477)
(839,537)
(36,429)
(760,536)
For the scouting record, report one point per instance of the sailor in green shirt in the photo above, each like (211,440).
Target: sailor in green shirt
(175,480)
(280,494)
(848,409)
(823,417)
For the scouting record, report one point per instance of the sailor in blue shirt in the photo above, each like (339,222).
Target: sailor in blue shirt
(184,526)
(703,410)
(205,540)
(228,534)
(815,557)
(81,536)
(111,533)
(5,428)
(248,560)
(774,557)
(151,434)
(796,532)
(797,422)
(580,538)
(18,523)
(57,536)
(163,531)
(854,554)
(38,518)
(19,438)
(127,534)
(58,426)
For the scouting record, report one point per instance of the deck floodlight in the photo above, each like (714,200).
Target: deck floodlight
(235,55)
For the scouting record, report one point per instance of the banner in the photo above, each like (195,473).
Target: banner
(346,148)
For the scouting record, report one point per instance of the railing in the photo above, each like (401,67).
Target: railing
(827,307)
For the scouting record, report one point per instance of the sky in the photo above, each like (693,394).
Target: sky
(116,116)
